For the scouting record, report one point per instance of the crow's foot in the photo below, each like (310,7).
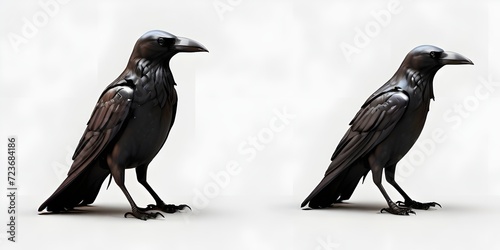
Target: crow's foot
(142,215)
(394,209)
(417,205)
(168,208)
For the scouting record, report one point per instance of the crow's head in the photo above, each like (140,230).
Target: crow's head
(428,58)
(161,45)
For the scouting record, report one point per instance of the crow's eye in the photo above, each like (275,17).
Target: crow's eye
(435,54)
(164,42)
(161,41)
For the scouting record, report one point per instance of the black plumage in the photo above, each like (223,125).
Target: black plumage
(130,123)
(384,130)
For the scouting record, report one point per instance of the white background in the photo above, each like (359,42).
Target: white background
(265,57)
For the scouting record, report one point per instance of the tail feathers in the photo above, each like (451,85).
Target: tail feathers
(77,189)
(336,187)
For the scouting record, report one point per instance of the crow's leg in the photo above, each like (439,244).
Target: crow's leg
(141,172)
(118,174)
(393,208)
(389,176)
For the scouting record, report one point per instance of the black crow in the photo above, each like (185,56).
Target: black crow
(130,123)
(382,132)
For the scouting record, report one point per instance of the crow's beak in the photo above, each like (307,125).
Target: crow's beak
(183,44)
(449,57)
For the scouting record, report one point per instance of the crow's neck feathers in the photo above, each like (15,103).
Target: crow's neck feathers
(149,79)
(157,71)
(421,83)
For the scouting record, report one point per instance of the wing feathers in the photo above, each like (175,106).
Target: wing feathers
(371,125)
(108,116)
(105,122)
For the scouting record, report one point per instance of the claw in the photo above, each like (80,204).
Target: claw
(168,208)
(127,213)
(417,205)
(183,206)
(143,216)
(404,212)
(435,203)
(171,208)
(396,209)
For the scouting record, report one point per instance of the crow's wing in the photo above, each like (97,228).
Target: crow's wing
(371,125)
(108,116)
